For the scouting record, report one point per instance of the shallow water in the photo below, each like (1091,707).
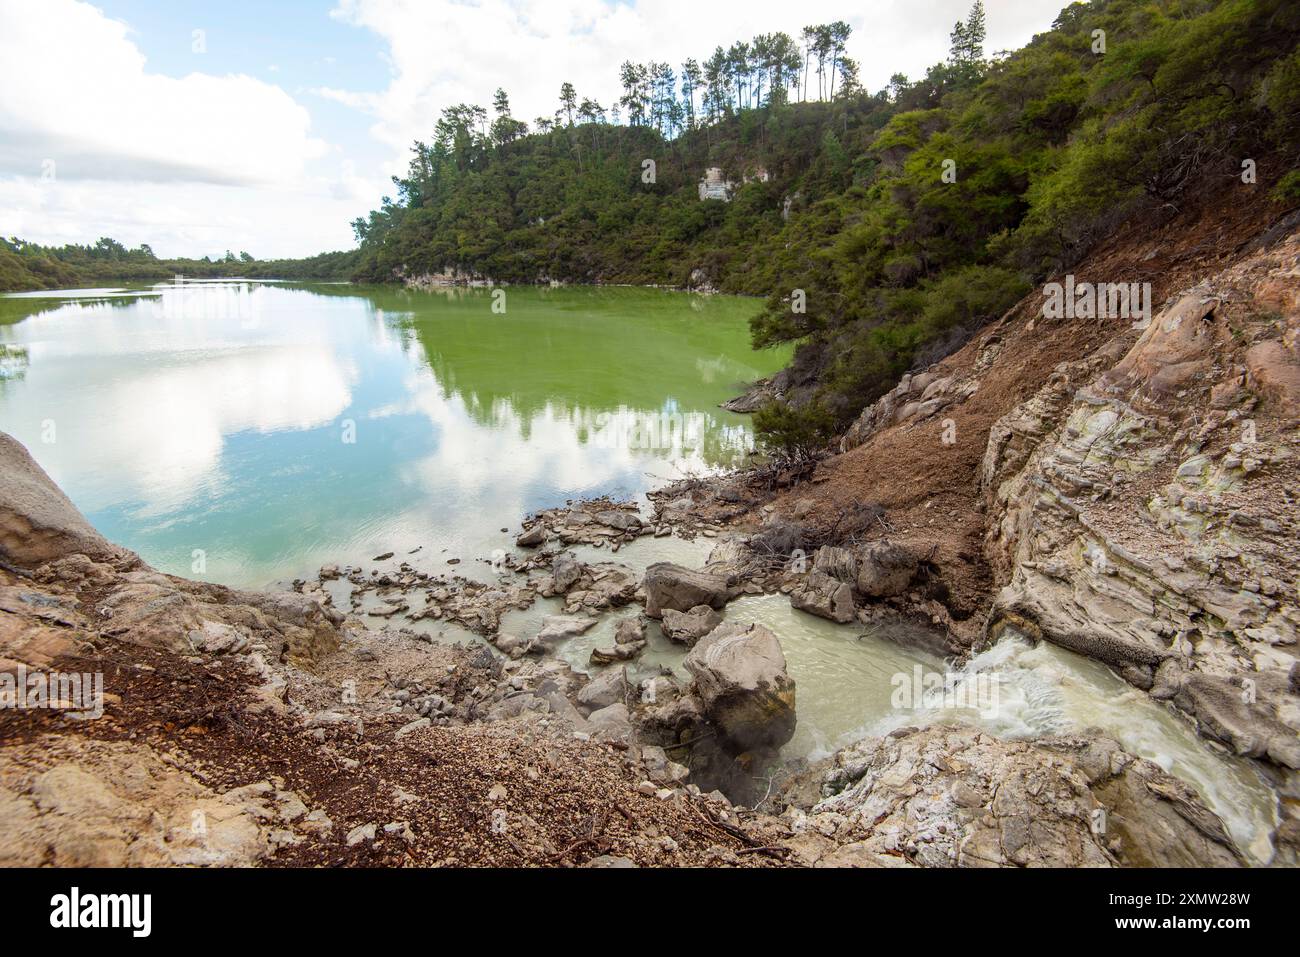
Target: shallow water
(850,682)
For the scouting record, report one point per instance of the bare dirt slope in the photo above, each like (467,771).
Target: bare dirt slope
(930,489)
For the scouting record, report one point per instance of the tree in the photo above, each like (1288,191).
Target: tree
(784,59)
(568,100)
(691,80)
(809,37)
(975,31)
(633,77)
(966,49)
(505,129)
(822,49)
(737,65)
(716,97)
(837,36)
(591,112)
(663,98)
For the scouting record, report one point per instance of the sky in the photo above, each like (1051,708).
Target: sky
(201,127)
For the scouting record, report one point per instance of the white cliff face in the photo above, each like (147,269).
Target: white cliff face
(714,186)
(1141,507)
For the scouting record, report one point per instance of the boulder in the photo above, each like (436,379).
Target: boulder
(38,523)
(556,628)
(741,682)
(669,586)
(688,627)
(624,521)
(611,722)
(885,570)
(565,570)
(840,563)
(599,586)
(629,631)
(607,688)
(612,653)
(533,537)
(819,594)
(629,641)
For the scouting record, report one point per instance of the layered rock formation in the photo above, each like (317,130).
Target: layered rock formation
(957,797)
(1142,506)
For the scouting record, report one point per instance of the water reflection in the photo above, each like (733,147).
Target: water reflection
(278,428)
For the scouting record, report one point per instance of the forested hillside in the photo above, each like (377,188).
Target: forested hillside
(28,266)
(906,216)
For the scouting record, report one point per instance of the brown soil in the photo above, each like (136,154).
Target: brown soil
(929,490)
(566,801)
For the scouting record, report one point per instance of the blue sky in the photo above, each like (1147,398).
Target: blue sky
(279,123)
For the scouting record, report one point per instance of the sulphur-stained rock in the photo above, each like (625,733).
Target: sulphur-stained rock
(1152,818)
(885,569)
(669,586)
(84,803)
(739,677)
(1234,711)
(38,523)
(819,594)
(688,627)
(1177,345)
(955,796)
(1276,369)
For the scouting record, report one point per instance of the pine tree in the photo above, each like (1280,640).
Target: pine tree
(568,100)
(975,32)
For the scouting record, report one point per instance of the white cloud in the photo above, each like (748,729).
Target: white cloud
(187,382)
(184,219)
(93,143)
(78,93)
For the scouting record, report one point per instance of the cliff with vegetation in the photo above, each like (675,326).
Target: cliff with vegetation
(906,218)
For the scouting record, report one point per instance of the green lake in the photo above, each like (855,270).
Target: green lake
(248,433)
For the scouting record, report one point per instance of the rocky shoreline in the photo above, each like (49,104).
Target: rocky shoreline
(300,734)
(1128,494)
